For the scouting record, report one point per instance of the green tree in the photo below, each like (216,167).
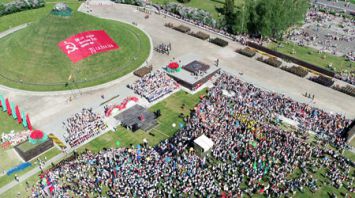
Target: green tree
(229,15)
(264,18)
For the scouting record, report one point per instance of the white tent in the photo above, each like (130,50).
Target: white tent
(203,144)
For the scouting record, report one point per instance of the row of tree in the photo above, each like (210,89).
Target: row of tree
(269,18)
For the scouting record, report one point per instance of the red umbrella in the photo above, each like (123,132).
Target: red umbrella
(173,65)
(36,134)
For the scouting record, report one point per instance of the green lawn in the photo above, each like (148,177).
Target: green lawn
(208,5)
(10,157)
(49,154)
(7,123)
(31,55)
(312,56)
(19,18)
(170,110)
(324,188)
(21,187)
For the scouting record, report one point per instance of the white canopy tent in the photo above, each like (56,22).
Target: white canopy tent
(203,145)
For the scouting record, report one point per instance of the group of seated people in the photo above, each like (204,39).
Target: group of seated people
(82,126)
(251,154)
(154,85)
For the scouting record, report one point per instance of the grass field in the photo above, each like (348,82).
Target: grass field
(32,54)
(26,146)
(6,179)
(18,18)
(9,159)
(170,111)
(312,56)
(21,189)
(7,123)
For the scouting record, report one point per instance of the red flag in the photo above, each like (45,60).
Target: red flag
(29,125)
(18,114)
(85,44)
(8,106)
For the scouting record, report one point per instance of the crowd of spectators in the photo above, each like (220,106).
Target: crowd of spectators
(348,77)
(251,154)
(327,33)
(154,85)
(82,126)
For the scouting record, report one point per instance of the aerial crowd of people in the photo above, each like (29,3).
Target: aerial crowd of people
(154,85)
(82,126)
(329,33)
(251,153)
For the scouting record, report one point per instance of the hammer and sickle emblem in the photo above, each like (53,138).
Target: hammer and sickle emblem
(70,47)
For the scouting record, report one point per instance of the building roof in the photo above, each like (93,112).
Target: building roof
(204,142)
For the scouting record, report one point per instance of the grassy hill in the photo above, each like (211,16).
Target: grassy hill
(31,55)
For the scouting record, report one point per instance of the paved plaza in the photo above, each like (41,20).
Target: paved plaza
(49,109)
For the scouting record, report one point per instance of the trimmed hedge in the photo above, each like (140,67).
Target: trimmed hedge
(322,80)
(299,71)
(218,41)
(20,5)
(349,90)
(182,28)
(249,52)
(200,35)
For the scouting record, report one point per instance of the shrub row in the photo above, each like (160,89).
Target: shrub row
(249,52)
(270,61)
(299,71)
(20,5)
(349,90)
(322,80)
(218,41)
(200,35)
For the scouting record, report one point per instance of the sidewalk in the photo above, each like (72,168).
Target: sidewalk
(30,173)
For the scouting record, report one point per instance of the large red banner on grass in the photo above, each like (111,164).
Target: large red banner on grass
(85,44)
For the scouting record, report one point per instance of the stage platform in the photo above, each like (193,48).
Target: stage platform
(130,118)
(194,74)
